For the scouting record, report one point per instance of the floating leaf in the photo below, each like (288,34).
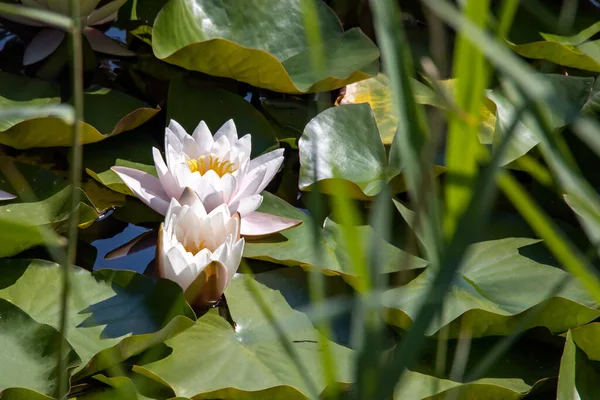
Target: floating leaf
(29,352)
(497,286)
(107,113)
(415,386)
(133,151)
(376,91)
(577,51)
(106,307)
(296,246)
(53,212)
(578,375)
(190,105)
(344,143)
(266,47)
(212,360)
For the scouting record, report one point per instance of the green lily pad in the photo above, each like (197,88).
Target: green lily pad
(107,113)
(296,246)
(343,143)
(213,360)
(189,105)
(52,212)
(576,51)
(496,288)
(376,91)
(416,386)
(578,377)
(586,337)
(23,394)
(133,150)
(265,46)
(29,352)
(105,309)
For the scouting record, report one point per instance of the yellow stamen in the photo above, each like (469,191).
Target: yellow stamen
(192,248)
(206,163)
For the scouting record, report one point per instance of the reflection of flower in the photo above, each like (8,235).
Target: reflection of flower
(217,168)
(198,250)
(49,38)
(6,196)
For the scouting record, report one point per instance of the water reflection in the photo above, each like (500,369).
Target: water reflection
(136,262)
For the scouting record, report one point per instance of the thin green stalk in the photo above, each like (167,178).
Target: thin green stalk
(47,17)
(75,180)
(469,225)
(507,16)
(266,310)
(471,72)
(560,246)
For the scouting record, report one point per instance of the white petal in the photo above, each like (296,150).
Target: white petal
(176,268)
(164,175)
(228,186)
(190,148)
(100,15)
(178,130)
(146,187)
(249,204)
(42,45)
(235,257)
(265,158)
(242,148)
(221,148)
(250,183)
(261,224)
(172,213)
(271,161)
(103,44)
(229,131)
(203,137)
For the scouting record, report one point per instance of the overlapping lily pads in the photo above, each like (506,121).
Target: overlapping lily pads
(214,360)
(576,51)
(296,246)
(107,113)
(105,309)
(28,224)
(498,287)
(29,352)
(266,46)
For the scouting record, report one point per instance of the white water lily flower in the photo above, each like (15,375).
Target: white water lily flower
(48,39)
(200,251)
(218,169)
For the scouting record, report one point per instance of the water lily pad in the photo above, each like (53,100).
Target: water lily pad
(579,374)
(376,91)
(190,104)
(29,352)
(497,286)
(265,46)
(52,212)
(343,143)
(576,51)
(296,246)
(107,113)
(105,309)
(133,150)
(416,386)
(213,360)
